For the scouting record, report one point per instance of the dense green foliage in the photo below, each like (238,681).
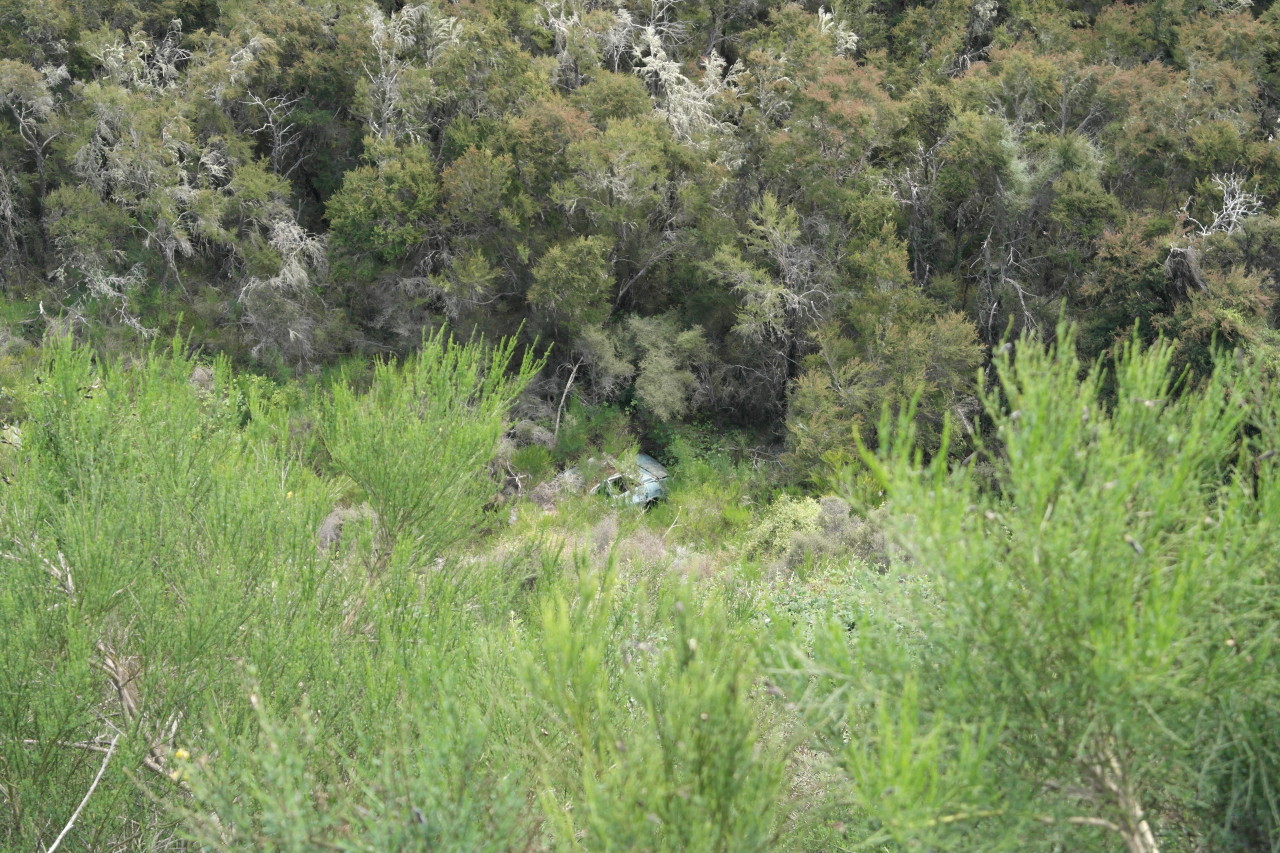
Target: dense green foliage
(1100,648)
(1000,276)
(265,635)
(762,214)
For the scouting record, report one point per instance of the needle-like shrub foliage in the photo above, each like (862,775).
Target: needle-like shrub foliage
(651,738)
(149,545)
(173,617)
(1099,652)
(1070,645)
(418,440)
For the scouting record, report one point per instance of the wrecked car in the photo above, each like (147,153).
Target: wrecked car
(642,484)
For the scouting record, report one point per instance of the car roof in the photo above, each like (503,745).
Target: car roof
(651,466)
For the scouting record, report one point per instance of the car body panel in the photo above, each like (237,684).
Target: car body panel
(640,485)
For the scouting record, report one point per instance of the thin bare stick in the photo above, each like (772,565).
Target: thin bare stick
(1083,820)
(565,396)
(1100,822)
(87,795)
(674,522)
(91,746)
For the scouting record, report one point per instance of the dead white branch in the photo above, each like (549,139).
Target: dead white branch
(1238,204)
(76,814)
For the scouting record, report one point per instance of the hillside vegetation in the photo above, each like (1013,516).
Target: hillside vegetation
(954,323)
(1070,643)
(741,212)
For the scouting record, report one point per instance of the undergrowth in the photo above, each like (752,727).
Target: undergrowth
(241,615)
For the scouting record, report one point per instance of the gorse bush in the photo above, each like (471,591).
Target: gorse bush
(1073,649)
(171,617)
(418,439)
(1103,657)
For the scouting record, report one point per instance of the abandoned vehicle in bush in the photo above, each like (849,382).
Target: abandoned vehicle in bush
(642,484)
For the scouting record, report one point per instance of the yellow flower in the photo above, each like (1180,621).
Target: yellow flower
(289,494)
(181,754)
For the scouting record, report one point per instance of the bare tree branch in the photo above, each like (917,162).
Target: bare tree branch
(88,794)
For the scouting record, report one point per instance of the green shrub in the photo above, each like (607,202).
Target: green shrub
(784,519)
(583,429)
(650,737)
(150,546)
(416,441)
(533,461)
(167,591)
(1100,663)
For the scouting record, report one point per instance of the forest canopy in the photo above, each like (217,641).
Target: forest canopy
(744,212)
